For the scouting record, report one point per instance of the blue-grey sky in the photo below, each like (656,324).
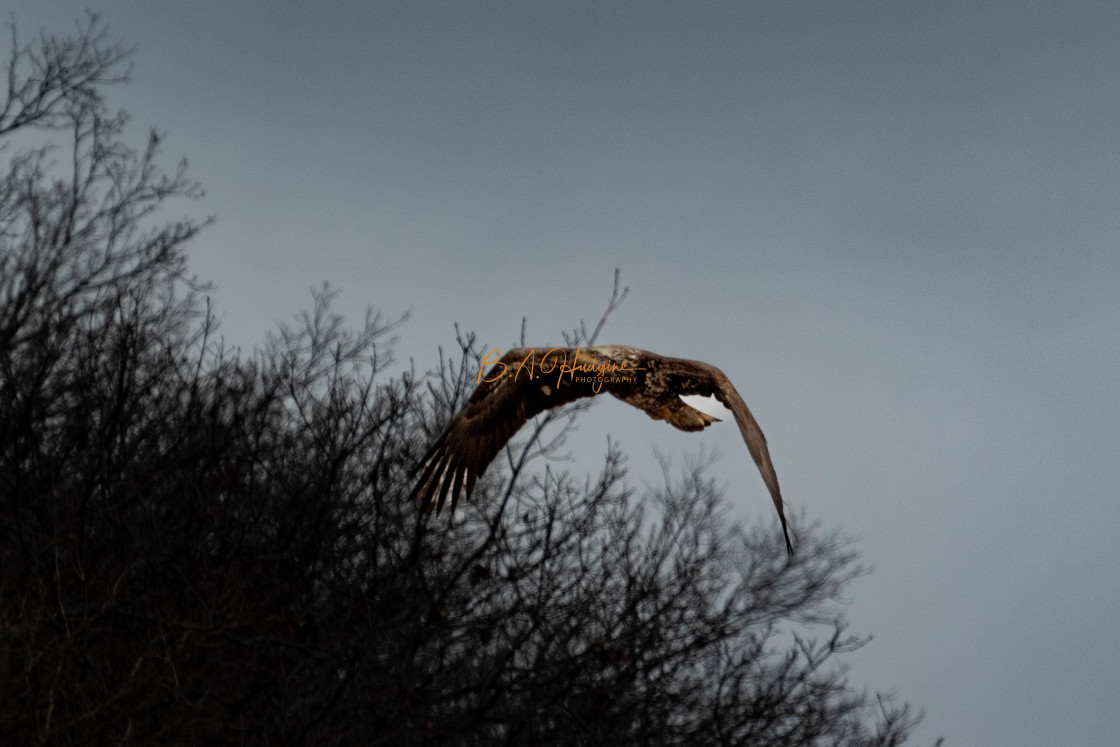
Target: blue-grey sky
(894,225)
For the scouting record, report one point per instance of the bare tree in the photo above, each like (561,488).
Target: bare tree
(202,547)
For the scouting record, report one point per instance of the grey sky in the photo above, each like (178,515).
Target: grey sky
(894,225)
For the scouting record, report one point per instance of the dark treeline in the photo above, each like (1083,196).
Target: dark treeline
(199,546)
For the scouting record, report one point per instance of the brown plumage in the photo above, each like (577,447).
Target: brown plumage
(528,381)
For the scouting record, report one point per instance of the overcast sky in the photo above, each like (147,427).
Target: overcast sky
(894,225)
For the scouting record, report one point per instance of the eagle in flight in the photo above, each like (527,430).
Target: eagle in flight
(527,381)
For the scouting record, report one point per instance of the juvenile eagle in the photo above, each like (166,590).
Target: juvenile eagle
(527,381)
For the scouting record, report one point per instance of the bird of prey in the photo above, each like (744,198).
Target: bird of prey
(527,381)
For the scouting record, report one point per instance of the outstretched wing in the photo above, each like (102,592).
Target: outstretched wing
(508,396)
(756,443)
(680,376)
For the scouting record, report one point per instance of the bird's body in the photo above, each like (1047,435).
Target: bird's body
(527,381)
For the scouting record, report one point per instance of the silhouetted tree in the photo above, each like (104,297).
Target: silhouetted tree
(200,547)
